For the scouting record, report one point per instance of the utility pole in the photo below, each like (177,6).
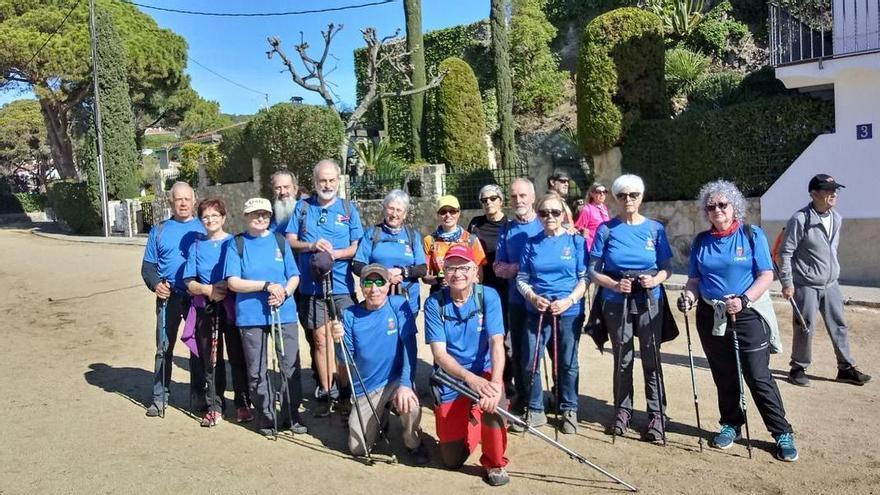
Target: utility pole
(105,217)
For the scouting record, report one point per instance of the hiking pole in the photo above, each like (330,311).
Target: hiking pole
(161,350)
(279,348)
(212,311)
(742,391)
(274,394)
(554,322)
(794,306)
(538,355)
(687,330)
(328,337)
(444,378)
(619,365)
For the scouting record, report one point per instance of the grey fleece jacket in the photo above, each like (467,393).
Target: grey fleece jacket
(808,254)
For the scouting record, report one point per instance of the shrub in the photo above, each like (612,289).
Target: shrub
(679,17)
(684,70)
(716,90)
(718,31)
(31,202)
(537,80)
(73,205)
(462,129)
(235,156)
(620,76)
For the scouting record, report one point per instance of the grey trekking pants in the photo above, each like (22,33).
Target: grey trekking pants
(829,302)
(381,398)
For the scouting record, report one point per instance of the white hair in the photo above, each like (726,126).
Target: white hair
(525,181)
(628,181)
(178,185)
(722,189)
(325,163)
(280,173)
(495,188)
(396,195)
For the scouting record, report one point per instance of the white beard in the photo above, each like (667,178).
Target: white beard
(326,195)
(283,210)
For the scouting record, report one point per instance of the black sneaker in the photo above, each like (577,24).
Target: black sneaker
(322,409)
(419,455)
(297,428)
(852,375)
(797,376)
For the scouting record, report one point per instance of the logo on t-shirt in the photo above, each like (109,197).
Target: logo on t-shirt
(740,254)
(278,255)
(649,246)
(342,219)
(566,253)
(392,327)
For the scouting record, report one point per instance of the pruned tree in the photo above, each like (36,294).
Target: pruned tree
(385,54)
(503,82)
(416,45)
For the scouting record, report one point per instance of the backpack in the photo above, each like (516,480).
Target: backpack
(478,291)
(470,243)
(777,244)
(377,233)
(304,214)
(239,242)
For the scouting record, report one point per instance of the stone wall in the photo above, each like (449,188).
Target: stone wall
(234,195)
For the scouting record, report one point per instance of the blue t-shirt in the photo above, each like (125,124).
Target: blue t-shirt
(394,250)
(262,260)
(466,330)
(511,241)
(726,265)
(206,259)
(555,264)
(382,343)
(332,224)
(624,247)
(168,245)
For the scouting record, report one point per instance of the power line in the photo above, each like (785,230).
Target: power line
(221,76)
(52,34)
(262,14)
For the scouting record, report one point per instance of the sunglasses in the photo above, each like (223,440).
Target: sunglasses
(323,219)
(717,206)
(601,191)
(489,199)
(561,180)
(633,195)
(370,282)
(261,214)
(550,212)
(447,211)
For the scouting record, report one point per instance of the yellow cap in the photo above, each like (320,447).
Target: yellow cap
(448,201)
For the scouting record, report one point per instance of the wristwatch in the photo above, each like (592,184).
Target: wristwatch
(746,302)
(266,286)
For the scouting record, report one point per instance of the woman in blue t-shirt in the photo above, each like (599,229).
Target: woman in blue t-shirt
(629,260)
(552,277)
(397,247)
(213,309)
(729,275)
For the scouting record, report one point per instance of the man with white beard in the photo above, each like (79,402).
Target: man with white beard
(324,231)
(285,190)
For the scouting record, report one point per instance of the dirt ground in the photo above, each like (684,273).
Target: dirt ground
(76,371)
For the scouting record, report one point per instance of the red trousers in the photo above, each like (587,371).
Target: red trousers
(461,425)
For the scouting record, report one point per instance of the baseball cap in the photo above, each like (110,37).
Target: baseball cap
(460,251)
(257,204)
(448,201)
(321,265)
(823,182)
(375,269)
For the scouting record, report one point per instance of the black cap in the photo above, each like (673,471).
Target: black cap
(560,174)
(321,265)
(823,182)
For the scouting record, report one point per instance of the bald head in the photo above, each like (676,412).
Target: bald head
(182,198)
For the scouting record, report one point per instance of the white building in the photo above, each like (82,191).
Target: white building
(834,51)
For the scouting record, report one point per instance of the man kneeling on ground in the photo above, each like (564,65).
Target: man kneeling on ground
(380,334)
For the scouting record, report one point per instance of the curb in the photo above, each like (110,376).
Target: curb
(117,241)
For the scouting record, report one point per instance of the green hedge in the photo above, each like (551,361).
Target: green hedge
(750,143)
(31,202)
(620,76)
(236,157)
(460,113)
(717,29)
(73,206)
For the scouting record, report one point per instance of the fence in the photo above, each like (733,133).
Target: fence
(376,186)
(466,185)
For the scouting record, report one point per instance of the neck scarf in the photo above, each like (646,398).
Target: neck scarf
(726,232)
(453,236)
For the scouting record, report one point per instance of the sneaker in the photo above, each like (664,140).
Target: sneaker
(534,419)
(725,437)
(419,455)
(621,422)
(785,449)
(797,376)
(244,415)
(344,407)
(322,409)
(569,422)
(497,476)
(296,429)
(268,432)
(654,432)
(852,375)
(154,410)
(213,418)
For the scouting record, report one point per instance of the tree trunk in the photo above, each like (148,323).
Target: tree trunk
(57,134)
(415,45)
(503,83)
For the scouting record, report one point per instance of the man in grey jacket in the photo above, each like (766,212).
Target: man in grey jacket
(809,271)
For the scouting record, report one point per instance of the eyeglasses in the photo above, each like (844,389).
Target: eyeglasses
(261,214)
(371,282)
(601,191)
(561,179)
(463,269)
(550,212)
(323,218)
(447,211)
(489,199)
(213,216)
(633,195)
(717,206)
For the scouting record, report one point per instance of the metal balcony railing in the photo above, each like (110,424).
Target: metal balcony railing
(807,30)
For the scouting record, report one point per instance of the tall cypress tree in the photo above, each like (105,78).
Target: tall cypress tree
(415,45)
(503,83)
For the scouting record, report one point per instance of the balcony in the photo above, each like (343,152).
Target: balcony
(808,30)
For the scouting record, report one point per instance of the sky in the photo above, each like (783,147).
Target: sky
(235,47)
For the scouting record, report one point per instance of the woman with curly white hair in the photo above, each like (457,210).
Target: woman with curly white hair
(729,273)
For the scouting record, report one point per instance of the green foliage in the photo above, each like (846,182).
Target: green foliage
(159,141)
(562,12)
(679,17)
(192,154)
(717,90)
(537,80)
(22,134)
(235,159)
(295,137)
(31,202)
(718,31)
(620,76)
(72,205)
(202,117)
(749,143)
(383,158)
(147,209)
(684,70)
(415,44)
(501,106)
(462,125)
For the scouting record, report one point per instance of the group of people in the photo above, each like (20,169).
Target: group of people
(503,293)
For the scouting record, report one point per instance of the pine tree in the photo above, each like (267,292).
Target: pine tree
(415,45)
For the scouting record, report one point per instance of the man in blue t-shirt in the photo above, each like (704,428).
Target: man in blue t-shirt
(464,327)
(329,224)
(162,271)
(511,241)
(284,190)
(380,335)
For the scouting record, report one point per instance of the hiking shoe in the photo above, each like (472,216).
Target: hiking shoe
(154,410)
(419,455)
(852,375)
(725,437)
(533,418)
(213,418)
(785,448)
(497,476)
(654,432)
(268,432)
(322,409)
(621,422)
(569,422)
(296,429)
(798,376)
(244,415)
(344,407)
